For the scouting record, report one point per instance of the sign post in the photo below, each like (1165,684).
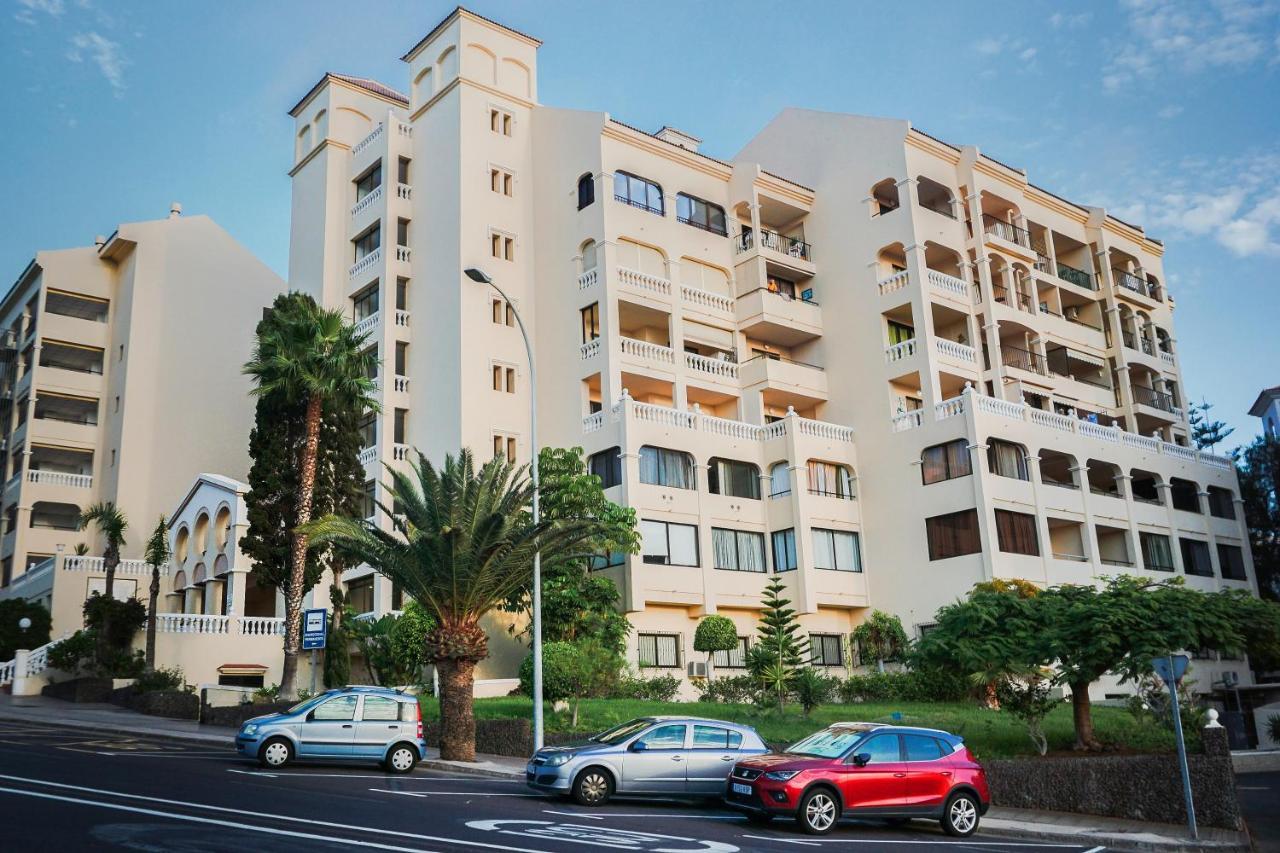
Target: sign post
(1171,668)
(315,628)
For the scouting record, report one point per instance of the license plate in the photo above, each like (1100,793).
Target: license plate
(739,788)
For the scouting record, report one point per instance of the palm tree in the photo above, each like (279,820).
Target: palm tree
(309,354)
(111,524)
(157,555)
(463,541)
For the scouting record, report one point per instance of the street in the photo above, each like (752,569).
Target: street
(63,789)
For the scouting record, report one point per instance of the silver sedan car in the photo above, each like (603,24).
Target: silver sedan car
(666,756)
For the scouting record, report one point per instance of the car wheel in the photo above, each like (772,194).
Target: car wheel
(401,759)
(759,818)
(275,753)
(818,812)
(960,817)
(593,787)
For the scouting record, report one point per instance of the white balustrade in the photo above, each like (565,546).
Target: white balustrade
(399,452)
(78,563)
(1142,442)
(58,478)
(956,350)
(1004,408)
(6,672)
(707,299)
(38,660)
(191,623)
(403,254)
(729,428)
(711,366)
(1177,450)
(401,384)
(368,455)
(593,422)
(262,626)
(590,349)
(648,351)
(367,141)
(366,263)
(588,279)
(907,420)
(948,408)
(948,284)
(644,281)
(405,130)
(725,427)
(402,317)
(1166,357)
(1098,431)
(897,352)
(822,429)
(369,199)
(404,191)
(1053,420)
(897,281)
(1215,461)
(662,415)
(368,325)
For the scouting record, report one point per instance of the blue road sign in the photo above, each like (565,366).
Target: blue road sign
(1170,668)
(315,625)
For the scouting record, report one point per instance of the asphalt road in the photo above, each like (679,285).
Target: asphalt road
(66,790)
(1259,795)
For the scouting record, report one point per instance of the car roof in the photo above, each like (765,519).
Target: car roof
(867,727)
(373,688)
(672,718)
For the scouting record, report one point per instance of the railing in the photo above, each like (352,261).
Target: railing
(6,672)
(647,351)
(402,317)
(907,420)
(948,283)
(40,569)
(367,141)
(642,205)
(404,254)
(588,279)
(97,564)
(1166,357)
(262,626)
(694,419)
(366,263)
(644,281)
(58,478)
(401,384)
(948,408)
(368,324)
(191,623)
(717,230)
(663,415)
(1022,359)
(405,130)
(711,366)
(38,660)
(1142,442)
(367,455)
(1151,397)
(1129,281)
(1075,558)
(590,349)
(1052,420)
(792,247)
(822,429)
(897,281)
(368,199)
(1079,278)
(707,299)
(956,350)
(782,294)
(593,422)
(404,191)
(784,360)
(899,351)
(1006,230)
(399,452)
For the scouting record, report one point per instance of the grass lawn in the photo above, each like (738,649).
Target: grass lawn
(989,734)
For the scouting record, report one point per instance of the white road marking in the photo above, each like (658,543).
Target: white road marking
(783,840)
(575,814)
(450,793)
(939,840)
(1098,849)
(302,774)
(1238,788)
(598,836)
(252,773)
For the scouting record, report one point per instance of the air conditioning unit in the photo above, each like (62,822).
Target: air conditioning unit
(697,669)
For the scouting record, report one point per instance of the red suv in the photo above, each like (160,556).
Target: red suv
(864,770)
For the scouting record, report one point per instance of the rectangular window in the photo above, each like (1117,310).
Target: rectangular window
(900,333)
(638,192)
(1007,459)
(501,181)
(607,465)
(694,211)
(945,461)
(826,649)
(662,467)
(365,303)
(590,322)
(1184,495)
(1157,556)
(368,242)
(1195,557)
(732,478)
(402,171)
(360,594)
(1016,533)
(669,544)
(1221,503)
(1231,562)
(737,550)
(659,650)
(402,358)
(402,294)
(501,121)
(503,313)
(735,658)
(953,535)
(830,480)
(837,550)
(401,428)
(368,499)
(504,378)
(402,232)
(784,550)
(369,181)
(369,430)
(502,246)
(504,446)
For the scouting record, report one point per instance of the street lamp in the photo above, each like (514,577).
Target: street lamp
(480,277)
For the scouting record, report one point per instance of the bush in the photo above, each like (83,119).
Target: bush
(265,695)
(161,679)
(812,689)
(729,690)
(127,617)
(73,652)
(12,637)
(1273,727)
(660,688)
(715,633)
(917,685)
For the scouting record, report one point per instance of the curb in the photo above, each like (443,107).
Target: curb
(463,768)
(1120,841)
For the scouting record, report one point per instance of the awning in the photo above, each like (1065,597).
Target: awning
(242,669)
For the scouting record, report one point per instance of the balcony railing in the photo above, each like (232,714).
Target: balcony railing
(1006,230)
(367,141)
(366,263)
(783,360)
(956,350)
(706,299)
(96,564)
(792,247)
(897,281)
(1022,359)
(402,317)
(590,349)
(368,324)
(404,191)
(1129,281)
(717,367)
(639,204)
(367,455)
(782,294)
(644,281)
(647,351)
(58,478)
(948,284)
(899,351)
(369,198)
(1079,278)
(695,420)
(1151,397)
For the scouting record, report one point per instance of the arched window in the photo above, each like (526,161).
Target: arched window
(1184,494)
(779,479)
(222,528)
(638,192)
(662,467)
(589,258)
(884,197)
(586,190)
(945,461)
(830,480)
(1007,459)
(734,479)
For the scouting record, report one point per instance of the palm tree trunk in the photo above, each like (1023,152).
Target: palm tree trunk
(298,557)
(1082,716)
(110,559)
(457,713)
(151,618)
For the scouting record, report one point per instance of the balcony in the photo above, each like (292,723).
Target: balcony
(715,368)
(647,354)
(71,357)
(955,351)
(778,318)
(1132,283)
(365,264)
(1150,397)
(368,456)
(949,286)
(1012,235)
(1079,278)
(784,374)
(60,478)
(643,284)
(899,351)
(1022,359)
(368,325)
(590,349)
(370,198)
(893,283)
(791,253)
(723,428)
(704,300)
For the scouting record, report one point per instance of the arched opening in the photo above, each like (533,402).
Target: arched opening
(641,257)
(779,479)
(660,466)
(182,544)
(586,190)
(447,64)
(1007,459)
(891,260)
(423,86)
(1104,478)
(202,533)
(831,479)
(587,252)
(55,515)
(1184,494)
(222,527)
(221,565)
(1056,469)
(884,197)
(732,478)
(936,197)
(1145,486)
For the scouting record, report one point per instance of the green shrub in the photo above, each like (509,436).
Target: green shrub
(660,688)
(729,690)
(812,689)
(161,679)
(73,652)
(266,694)
(918,685)
(1273,727)
(12,637)
(127,618)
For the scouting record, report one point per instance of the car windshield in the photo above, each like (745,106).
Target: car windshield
(618,734)
(828,743)
(306,703)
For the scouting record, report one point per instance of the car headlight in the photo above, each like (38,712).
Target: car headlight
(249,729)
(780,775)
(558,759)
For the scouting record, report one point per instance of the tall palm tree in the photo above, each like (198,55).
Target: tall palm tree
(463,541)
(157,555)
(312,355)
(111,524)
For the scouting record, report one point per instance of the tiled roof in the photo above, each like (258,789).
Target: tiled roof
(380,89)
(449,17)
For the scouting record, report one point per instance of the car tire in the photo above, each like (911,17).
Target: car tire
(593,787)
(960,815)
(819,811)
(401,758)
(277,752)
(759,818)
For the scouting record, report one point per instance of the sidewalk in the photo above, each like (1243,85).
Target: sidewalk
(1053,827)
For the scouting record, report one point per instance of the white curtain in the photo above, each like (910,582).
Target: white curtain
(780,479)
(824,556)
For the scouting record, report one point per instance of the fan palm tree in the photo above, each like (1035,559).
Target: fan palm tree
(112,524)
(157,555)
(312,355)
(463,541)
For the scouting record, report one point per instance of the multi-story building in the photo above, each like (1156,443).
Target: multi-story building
(879,365)
(1267,407)
(126,384)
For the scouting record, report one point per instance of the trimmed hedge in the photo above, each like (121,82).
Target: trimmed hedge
(88,689)
(175,704)
(235,715)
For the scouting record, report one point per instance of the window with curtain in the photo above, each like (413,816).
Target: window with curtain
(365,303)
(779,479)
(1195,557)
(659,650)
(733,478)
(826,649)
(830,479)
(784,550)
(953,535)
(590,322)
(900,333)
(1221,502)
(638,192)
(607,465)
(1007,459)
(1016,533)
(1231,561)
(669,544)
(945,461)
(662,467)
(737,550)
(694,211)
(586,191)
(1157,555)
(360,594)
(836,550)
(1184,494)
(735,658)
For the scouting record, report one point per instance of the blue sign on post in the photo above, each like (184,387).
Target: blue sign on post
(1171,668)
(315,626)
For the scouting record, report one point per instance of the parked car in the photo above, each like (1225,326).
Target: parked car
(865,770)
(667,756)
(347,723)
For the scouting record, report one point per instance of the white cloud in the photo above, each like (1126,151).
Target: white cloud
(102,52)
(1028,54)
(989,46)
(1059,20)
(1171,111)
(29,9)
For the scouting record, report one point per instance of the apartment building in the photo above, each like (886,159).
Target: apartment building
(878,365)
(124,384)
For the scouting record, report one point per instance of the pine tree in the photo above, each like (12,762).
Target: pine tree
(1204,432)
(779,650)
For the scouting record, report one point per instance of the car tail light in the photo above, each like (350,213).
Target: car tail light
(418,707)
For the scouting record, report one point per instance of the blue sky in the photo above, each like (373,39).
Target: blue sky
(1165,111)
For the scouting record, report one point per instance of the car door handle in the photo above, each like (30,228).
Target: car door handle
(726,758)
(346,725)
(393,727)
(899,775)
(677,758)
(946,773)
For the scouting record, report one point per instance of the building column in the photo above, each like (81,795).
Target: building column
(1042,518)
(1166,498)
(922,318)
(1080,473)
(1243,528)
(986,513)
(610,333)
(1123,482)
(1214,563)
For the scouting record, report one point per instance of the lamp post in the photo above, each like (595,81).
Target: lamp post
(481,277)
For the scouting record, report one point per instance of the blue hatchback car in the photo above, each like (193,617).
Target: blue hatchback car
(341,724)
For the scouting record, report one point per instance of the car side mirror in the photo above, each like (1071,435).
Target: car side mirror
(638,746)
(862,759)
